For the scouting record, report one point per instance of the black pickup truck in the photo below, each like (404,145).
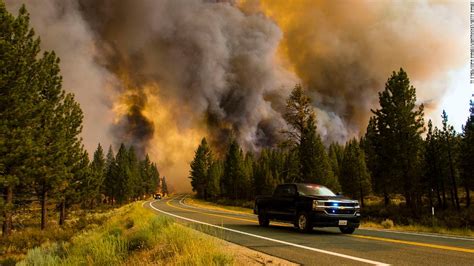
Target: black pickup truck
(307,206)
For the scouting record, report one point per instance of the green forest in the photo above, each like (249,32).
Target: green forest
(42,159)
(409,166)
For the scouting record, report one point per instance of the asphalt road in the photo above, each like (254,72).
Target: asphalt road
(325,246)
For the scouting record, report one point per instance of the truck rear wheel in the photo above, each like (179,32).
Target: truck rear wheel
(263,219)
(303,222)
(347,229)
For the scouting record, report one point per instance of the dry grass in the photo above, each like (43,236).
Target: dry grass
(214,206)
(132,236)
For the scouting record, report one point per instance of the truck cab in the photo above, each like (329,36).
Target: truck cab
(307,206)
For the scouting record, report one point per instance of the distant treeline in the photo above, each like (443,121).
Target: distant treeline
(391,159)
(41,154)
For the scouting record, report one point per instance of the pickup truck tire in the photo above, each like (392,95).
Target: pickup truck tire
(347,229)
(262,218)
(303,222)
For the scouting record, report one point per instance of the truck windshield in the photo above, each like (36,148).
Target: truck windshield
(315,190)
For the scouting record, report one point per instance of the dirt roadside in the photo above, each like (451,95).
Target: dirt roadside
(246,256)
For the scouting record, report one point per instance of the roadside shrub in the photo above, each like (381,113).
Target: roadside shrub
(106,250)
(142,239)
(115,231)
(129,223)
(387,223)
(8,262)
(39,257)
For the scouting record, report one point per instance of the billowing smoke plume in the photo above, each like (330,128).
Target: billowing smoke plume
(205,55)
(172,71)
(344,50)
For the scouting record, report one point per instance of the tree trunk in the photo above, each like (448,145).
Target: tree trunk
(386,199)
(451,193)
(62,212)
(7,223)
(453,179)
(361,188)
(468,196)
(430,194)
(43,208)
(438,196)
(443,190)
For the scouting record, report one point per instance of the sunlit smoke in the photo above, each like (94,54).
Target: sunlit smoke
(344,50)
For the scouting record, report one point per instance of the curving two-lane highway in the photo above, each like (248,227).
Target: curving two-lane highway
(322,246)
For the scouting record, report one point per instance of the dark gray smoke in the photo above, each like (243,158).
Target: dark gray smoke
(204,54)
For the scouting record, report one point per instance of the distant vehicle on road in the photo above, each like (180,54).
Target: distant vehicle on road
(157,196)
(308,206)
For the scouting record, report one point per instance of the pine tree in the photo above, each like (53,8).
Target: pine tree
(134,188)
(122,175)
(233,172)
(291,172)
(355,178)
(96,179)
(399,124)
(371,143)
(467,155)
(199,173)
(244,185)
(110,184)
(264,181)
(149,176)
(336,154)
(433,178)
(19,50)
(449,138)
(164,186)
(75,191)
(154,179)
(298,110)
(215,173)
(314,161)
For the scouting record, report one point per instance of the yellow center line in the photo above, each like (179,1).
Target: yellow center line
(467,250)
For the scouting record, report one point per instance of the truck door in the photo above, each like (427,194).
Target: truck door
(288,202)
(283,203)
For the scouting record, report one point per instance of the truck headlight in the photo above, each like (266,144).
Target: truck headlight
(357,206)
(317,205)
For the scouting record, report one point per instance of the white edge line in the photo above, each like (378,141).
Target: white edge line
(273,240)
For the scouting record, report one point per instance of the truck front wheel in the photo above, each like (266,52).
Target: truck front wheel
(263,219)
(303,222)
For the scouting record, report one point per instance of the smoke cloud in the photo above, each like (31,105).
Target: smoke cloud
(206,55)
(344,51)
(162,74)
